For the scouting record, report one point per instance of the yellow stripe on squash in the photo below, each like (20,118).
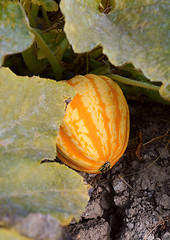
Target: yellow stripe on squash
(95,131)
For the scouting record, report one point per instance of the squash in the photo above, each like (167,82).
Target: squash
(95,131)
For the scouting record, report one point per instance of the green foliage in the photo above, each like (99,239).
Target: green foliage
(49,5)
(137,34)
(11,234)
(31,112)
(14,29)
(28,187)
(129,71)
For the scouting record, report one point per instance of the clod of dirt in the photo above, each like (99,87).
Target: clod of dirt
(96,229)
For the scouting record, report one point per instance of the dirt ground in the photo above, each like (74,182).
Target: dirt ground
(132,200)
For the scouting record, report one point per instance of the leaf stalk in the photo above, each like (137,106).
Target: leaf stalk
(133,82)
(55,64)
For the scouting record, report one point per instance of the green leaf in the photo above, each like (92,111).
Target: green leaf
(130,3)
(51,188)
(11,234)
(14,29)
(49,5)
(137,34)
(52,39)
(32,110)
(129,71)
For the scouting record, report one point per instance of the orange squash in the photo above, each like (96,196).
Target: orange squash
(95,131)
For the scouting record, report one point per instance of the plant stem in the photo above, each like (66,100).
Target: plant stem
(34,11)
(95,53)
(62,48)
(49,55)
(30,59)
(46,17)
(112,3)
(27,8)
(133,82)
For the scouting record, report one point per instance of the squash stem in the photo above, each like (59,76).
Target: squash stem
(46,17)
(113,4)
(133,82)
(96,53)
(34,11)
(62,48)
(49,55)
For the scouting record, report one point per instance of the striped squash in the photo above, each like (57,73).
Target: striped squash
(95,131)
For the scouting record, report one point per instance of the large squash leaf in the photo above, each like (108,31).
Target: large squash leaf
(135,31)
(27,187)
(31,112)
(11,234)
(14,29)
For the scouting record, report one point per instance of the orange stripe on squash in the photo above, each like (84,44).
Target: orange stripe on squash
(95,131)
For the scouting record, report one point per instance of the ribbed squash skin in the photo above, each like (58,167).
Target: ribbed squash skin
(95,131)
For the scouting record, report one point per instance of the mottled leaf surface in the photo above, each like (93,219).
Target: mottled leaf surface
(32,110)
(14,29)
(49,188)
(11,234)
(136,33)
